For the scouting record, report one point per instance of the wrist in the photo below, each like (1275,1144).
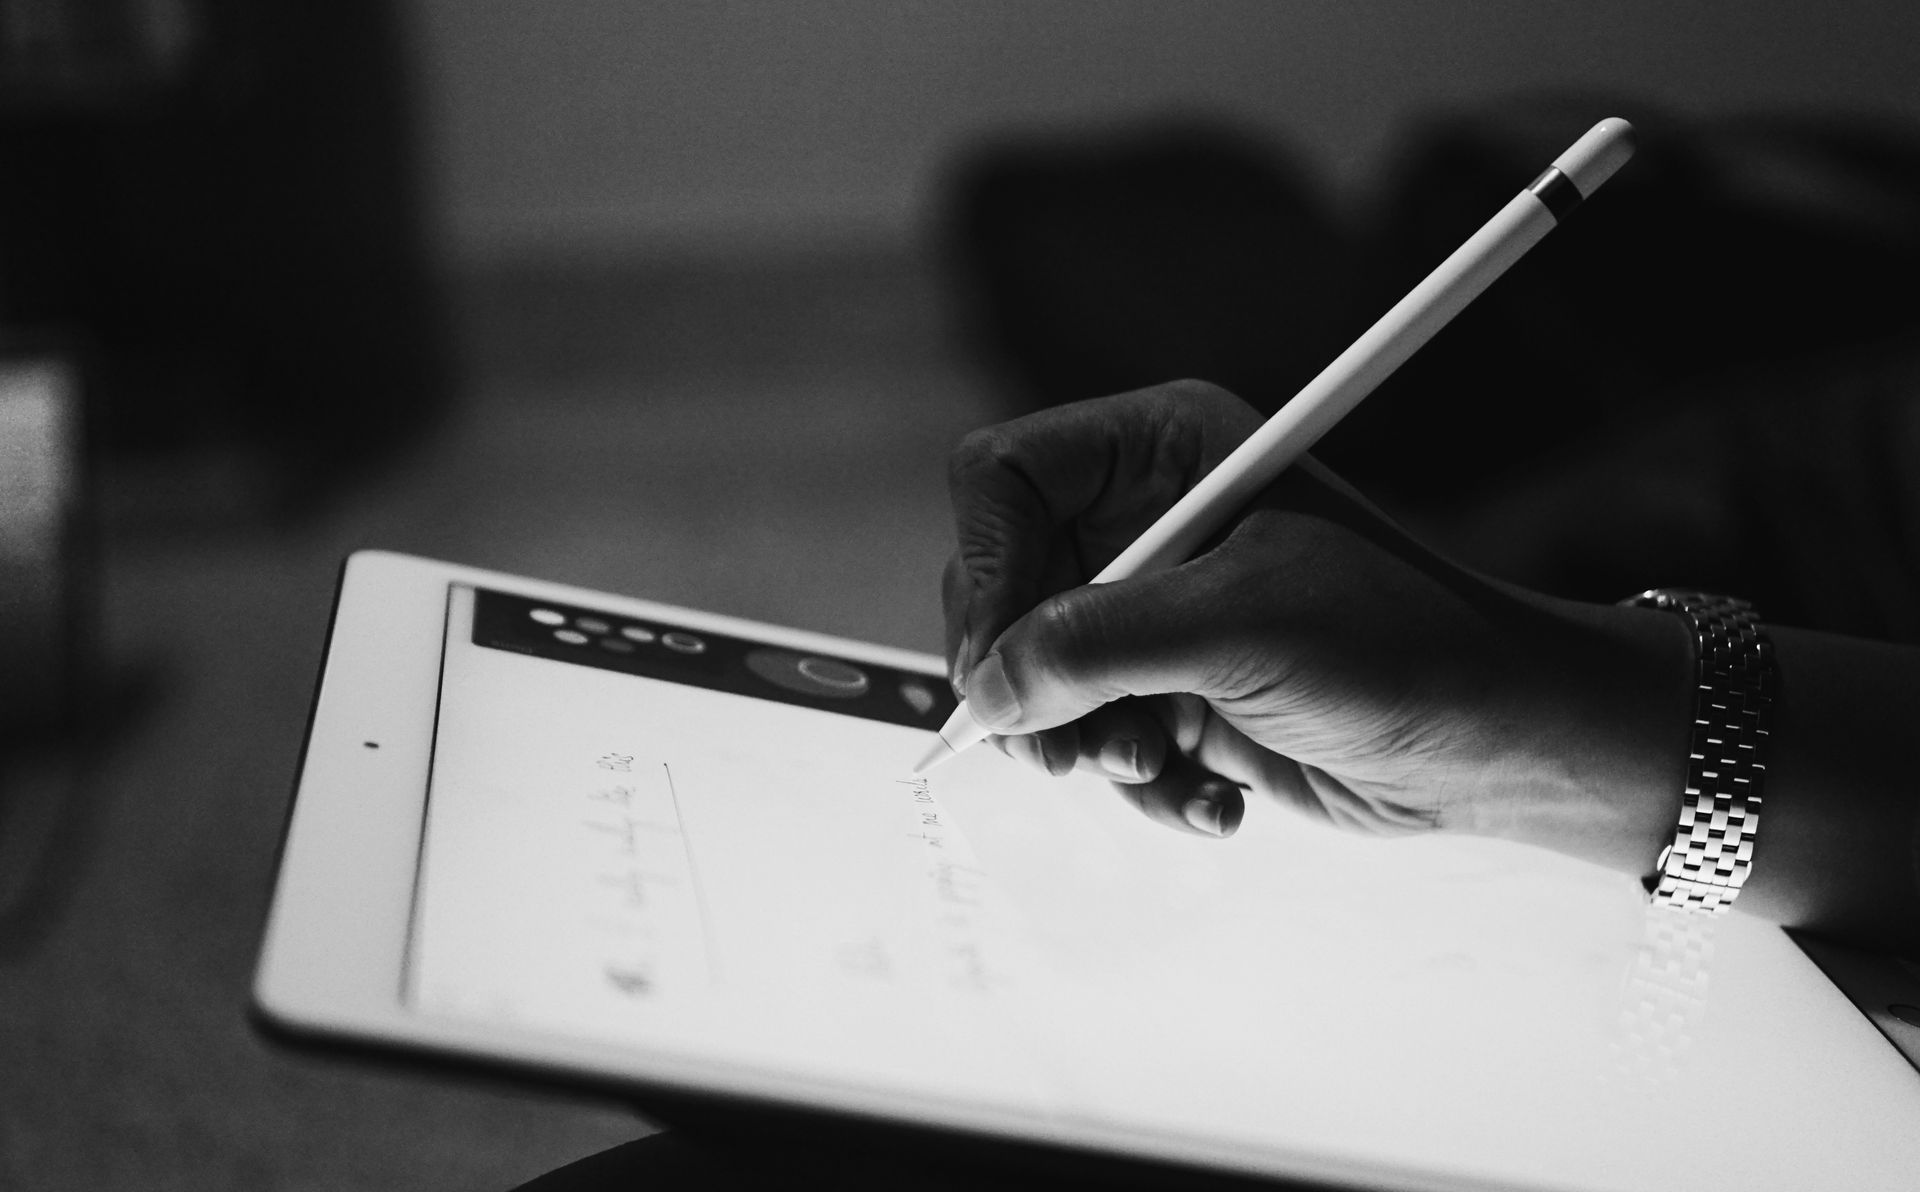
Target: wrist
(1595,752)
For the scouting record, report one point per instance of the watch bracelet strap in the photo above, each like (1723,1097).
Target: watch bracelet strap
(1711,855)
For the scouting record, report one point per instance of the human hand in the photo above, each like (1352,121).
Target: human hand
(1315,655)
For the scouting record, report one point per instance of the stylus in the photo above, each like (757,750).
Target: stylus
(1428,307)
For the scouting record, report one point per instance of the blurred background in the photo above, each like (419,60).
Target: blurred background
(690,302)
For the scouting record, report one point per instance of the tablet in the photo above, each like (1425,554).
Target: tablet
(569,833)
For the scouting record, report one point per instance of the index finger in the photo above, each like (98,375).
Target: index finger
(1041,503)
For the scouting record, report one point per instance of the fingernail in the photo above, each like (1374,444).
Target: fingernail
(1059,762)
(1121,758)
(1028,750)
(1203,814)
(990,697)
(958,676)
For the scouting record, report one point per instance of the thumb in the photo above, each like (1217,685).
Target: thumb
(1088,646)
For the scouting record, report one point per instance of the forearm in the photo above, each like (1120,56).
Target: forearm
(1835,851)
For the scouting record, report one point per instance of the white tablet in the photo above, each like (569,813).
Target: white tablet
(585,835)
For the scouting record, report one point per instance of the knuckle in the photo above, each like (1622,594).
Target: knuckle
(994,510)
(1211,402)
(1074,633)
(985,540)
(980,454)
(1061,624)
(1195,390)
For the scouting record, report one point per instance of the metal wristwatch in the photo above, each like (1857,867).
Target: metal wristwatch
(1712,851)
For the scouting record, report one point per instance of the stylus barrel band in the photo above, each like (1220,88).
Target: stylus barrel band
(1557,191)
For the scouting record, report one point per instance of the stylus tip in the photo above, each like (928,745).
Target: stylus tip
(940,752)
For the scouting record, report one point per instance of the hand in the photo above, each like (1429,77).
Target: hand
(1315,655)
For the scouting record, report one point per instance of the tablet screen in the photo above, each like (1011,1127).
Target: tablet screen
(648,834)
(680,842)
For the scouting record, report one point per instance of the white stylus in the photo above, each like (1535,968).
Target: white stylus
(1429,306)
